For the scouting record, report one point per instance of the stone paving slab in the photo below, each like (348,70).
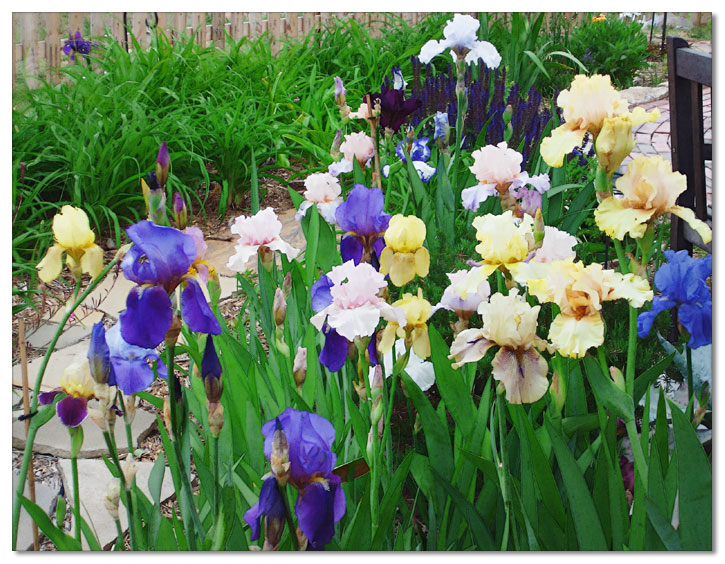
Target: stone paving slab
(57,363)
(53,437)
(108,297)
(93,479)
(40,339)
(45,497)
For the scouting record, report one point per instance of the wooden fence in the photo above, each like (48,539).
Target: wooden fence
(38,38)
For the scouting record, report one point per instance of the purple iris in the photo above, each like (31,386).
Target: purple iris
(71,410)
(130,368)
(76,45)
(394,108)
(99,356)
(321,501)
(682,281)
(270,505)
(158,262)
(362,216)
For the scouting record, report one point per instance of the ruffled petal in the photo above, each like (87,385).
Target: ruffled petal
(632,288)
(402,268)
(474,196)
(573,337)
(147,317)
(562,141)
(697,319)
(702,229)
(50,267)
(422,262)
(196,311)
(486,51)
(161,255)
(616,219)
(523,374)
(647,318)
(470,345)
(92,260)
(474,278)
(270,504)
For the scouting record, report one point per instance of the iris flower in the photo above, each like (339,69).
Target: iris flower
(322,190)
(509,322)
(321,501)
(394,108)
(650,189)
(76,45)
(459,36)
(356,308)
(419,154)
(414,327)
(404,255)
(159,262)
(261,229)
(130,368)
(363,219)
(78,385)
(74,238)
(498,171)
(592,104)
(682,281)
(356,146)
(420,371)
(579,291)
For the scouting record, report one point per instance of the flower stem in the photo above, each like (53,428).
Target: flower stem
(215,466)
(29,440)
(76,497)
(111,446)
(690,385)
(288,518)
(503,473)
(119,535)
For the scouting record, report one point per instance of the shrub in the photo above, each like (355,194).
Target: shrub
(612,47)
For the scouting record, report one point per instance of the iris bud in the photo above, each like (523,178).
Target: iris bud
(557,390)
(113,495)
(99,356)
(162,164)
(299,368)
(279,307)
(181,215)
(211,371)
(266,256)
(279,458)
(336,142)
(617,377)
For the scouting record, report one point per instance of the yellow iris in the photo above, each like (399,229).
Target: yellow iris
(599,18)
(415,332)
(504,242)
(650,189)
(404,255)
(592,104)
(73,237)
(579,291)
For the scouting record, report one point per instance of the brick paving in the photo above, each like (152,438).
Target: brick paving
(653,138)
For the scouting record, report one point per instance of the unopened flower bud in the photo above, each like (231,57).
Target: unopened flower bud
(120,253)
(442,131)
(112,498)
(299,368)
(102,392)
(99,356)
(340,92)
(417,426)
(173,333)
(162,164)
(266,256)
(376,391)
(539,228)
(166,411)
(279,341)
(129,404)
(360,389)
(557,390)
(336,142)
(214,287)
(301,540)
(617,377)
(211,372)
(216,418)
(181,214)
(279,307)
(98,416)
(129,470)
(287,285)
(279,458)
(369,447)
(156,200)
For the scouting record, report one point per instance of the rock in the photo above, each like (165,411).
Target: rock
(228,286)
(45,497)
(40,339)
(218,254)
(108,297)
(53,438)
(93,479)
(57,363)
(638,95)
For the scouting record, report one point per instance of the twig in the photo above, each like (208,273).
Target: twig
(26,411)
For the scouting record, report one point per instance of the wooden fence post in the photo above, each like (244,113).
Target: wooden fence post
(52,45)
(198,24)
(237,19)
(218,20)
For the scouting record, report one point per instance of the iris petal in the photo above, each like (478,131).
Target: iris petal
(147,317)
(196,311)
(317,509)
(334,353)
(72,411)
